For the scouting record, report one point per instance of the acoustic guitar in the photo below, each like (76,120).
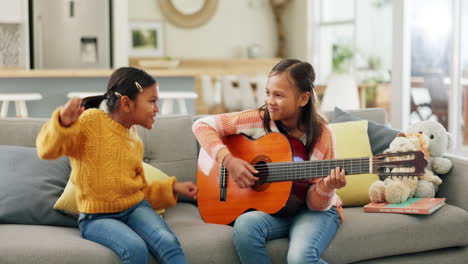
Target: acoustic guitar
(284,174)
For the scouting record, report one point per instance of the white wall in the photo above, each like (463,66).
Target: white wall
(235,25)
(120,32)
(299,27)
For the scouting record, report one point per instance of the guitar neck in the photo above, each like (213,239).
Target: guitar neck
(290,171)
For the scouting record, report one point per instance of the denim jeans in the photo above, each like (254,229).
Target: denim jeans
(309,234)
(131,233)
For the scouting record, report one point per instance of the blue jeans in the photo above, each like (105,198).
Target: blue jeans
(309,234)
(131,233)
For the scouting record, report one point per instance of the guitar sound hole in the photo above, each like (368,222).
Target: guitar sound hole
(262,183)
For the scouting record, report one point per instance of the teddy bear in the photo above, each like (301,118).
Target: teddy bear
(430,137)
(439,143)
(397,189)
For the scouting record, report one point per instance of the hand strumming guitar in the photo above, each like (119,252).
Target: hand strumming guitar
(241,171)
(336,179)
(71,112)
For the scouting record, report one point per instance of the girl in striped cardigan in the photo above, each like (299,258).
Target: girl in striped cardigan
(290,108)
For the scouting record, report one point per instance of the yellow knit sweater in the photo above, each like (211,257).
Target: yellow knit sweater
(106,161)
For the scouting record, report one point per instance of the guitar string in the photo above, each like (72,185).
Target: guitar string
(296,164)
(335,163)
(332,166)
(360,167)
(272,166)
(349,168)
(273,178)
(322,164)
(305,175)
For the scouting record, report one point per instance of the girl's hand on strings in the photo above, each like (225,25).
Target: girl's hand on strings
(336,179)
(241,171)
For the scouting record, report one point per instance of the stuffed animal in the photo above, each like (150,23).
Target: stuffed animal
(397,189)
(439,143)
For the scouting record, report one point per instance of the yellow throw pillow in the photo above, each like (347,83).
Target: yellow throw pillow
(352,141)
(67,201)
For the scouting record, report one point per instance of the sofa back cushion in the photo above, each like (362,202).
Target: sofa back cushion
(171,147)
(380,135)
(29,187)
(377,115)
(67,201)
(20,131)
(352,142)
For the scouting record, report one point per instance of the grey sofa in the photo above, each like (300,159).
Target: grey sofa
(171,146)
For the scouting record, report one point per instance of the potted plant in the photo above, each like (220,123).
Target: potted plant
(342,55)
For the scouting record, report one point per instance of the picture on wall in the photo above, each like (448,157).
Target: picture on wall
(146,39)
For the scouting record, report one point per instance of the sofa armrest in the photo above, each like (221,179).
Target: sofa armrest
(455,184)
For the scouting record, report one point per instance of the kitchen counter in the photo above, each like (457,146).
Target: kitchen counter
(94,73)
(55,84)
(187,68)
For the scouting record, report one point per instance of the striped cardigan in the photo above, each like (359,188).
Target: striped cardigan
(210,129)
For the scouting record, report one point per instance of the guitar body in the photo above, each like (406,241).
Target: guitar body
(281,198)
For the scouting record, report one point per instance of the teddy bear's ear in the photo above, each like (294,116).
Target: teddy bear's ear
(401,135)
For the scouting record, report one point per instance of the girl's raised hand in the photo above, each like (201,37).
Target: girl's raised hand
(336,179)
(188,189)
(71,111)
(241,171)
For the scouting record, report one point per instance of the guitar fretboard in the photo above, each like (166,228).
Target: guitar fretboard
(289,171)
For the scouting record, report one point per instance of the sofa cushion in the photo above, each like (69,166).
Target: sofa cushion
(380,135)
(373,235)
(364,236)
(171,147)
(201,242)
(20,131)
(29,187)
(50,244)
(67,201)
(352,142)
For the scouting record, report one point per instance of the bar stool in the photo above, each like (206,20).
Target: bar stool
(245,89)
(83,94)
(20,102)
(231,94)
(261,80)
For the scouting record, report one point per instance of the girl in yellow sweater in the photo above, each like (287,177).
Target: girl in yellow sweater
(115,201)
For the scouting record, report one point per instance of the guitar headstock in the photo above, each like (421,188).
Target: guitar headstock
(411,163)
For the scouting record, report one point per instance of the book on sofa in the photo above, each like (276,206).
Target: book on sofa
(425,206)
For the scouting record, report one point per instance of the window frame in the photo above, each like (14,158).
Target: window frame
(321,24)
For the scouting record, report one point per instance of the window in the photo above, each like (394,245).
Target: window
(438,33)
(355,36)
(462,128)
(430,59)
(336,26)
